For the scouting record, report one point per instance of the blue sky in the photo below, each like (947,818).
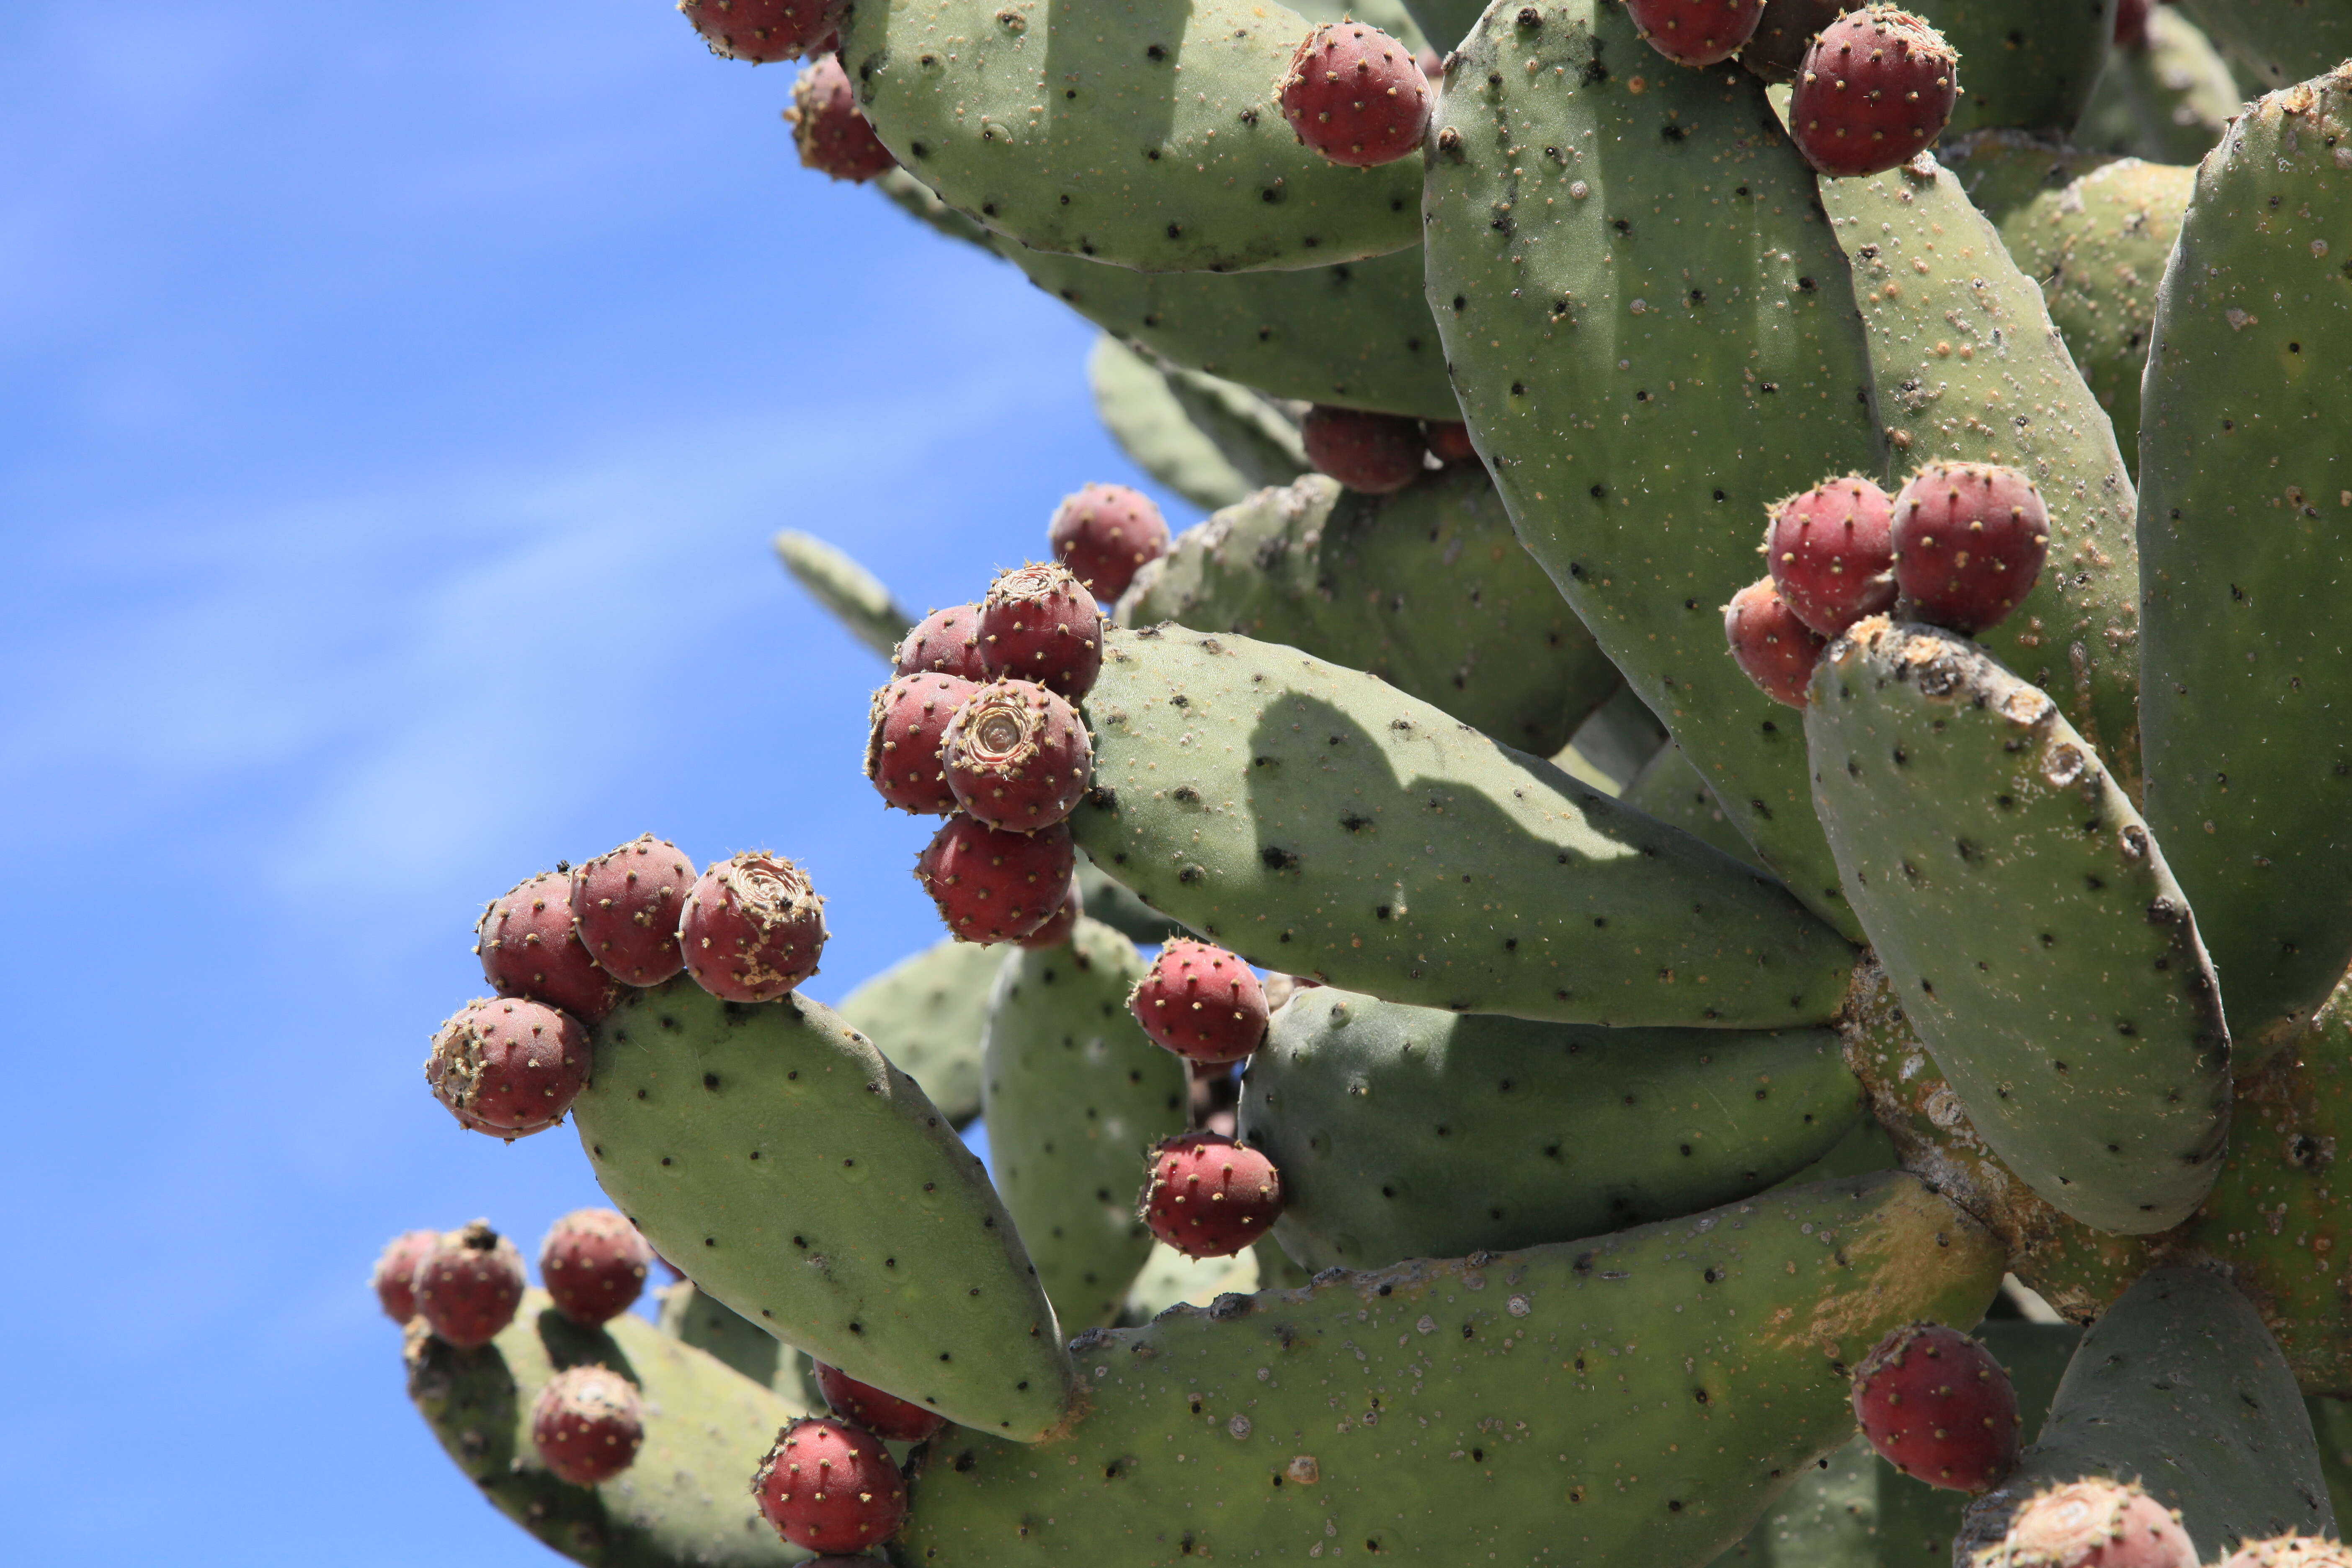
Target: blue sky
(396,402)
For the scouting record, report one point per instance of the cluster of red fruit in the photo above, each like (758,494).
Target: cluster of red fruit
(1379,454)
(1959,546)
(560,947)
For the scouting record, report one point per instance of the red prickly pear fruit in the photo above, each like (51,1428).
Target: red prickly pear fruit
(1832,553)
(1776,50)
(1059,925)
(508,1067)
(2092,1525)
(885,1415)
(468,1285)
(2290,1551)
(1938,1407)
(1210,1196)
(1038,622)
(752,928)
(529,948)
(909,719)
(1695,32)
(1371,453)
(1776,648)
(992,886)
(762,31)
(1017,756)
(625,907)
(833,137)
(1104,534)
(1970,541)
(1201,1002)
(587,1423)
(945,642)
(594,1264)
(1356,95)
(2131,24)
(1449,442)
(830,1486)
(395,1272)
(1877,86)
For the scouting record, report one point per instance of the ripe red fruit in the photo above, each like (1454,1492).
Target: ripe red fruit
(529,948)
(1832,553)
(2290,1551)
(1970,541)
(884,1415)
(508,1067)
(1061,923)
(587,1423)
(1877,86)
(395,1272)
(1373,453)
(594,1264)
(830,1487)
(468,1285)
(992,886)
(1449,442)
(945,642)
(1695,32)
(833,137)
(1210,1196)
(761,31)
(1937,1407)
(1104,534)
(909,719)
(625,909)
(1776,648)
(1201,1002)
(1776,50)
(1039,624)
(2092,1525)
(1016,756)
(752,928)
(2131,24)
(1356,95)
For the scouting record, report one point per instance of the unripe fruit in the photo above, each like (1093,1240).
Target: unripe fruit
(1017,756)
(1038,624)
(529,948)
(1776,50)
(1970,541)
(1776,648)
(992,886)
(833,137)
(2289,1550)
(885,1415)
(587,1423)
(625,907)
(508,1067)
(1877,86)
(1356,95)
(830,1487)
(1210,1196)
(1937,1407)
(594,1264)
(945,642)
(1375,454)
(395,1272)
(1060,924)
(761,31)
(1201,1002)
(1104,534)
(1830,549)
(1449,442)
(752,928)
(2092,1525)
(468,1285)
(1695,32)
(908,721)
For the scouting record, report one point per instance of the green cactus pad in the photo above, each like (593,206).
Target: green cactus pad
(1077,1095)
(1671,790)
(932,1008)
(1427,588)
(1211,441)
(1634,1398)
(2275,43)
(1143,136)
(1408,1132)
(2024,64)
(1258,434)
(1653,334)
(2244,443)
(2000,171)
(1616,741)
(2168,102)
(1445,23)
(853,596)
(1319,822)
(2331,1426)
(682,1502)
(1119,909)
(2028,921)
(2180,1388)
(1969,369)
(1169,1277)
(812,1187)
(717,1329)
